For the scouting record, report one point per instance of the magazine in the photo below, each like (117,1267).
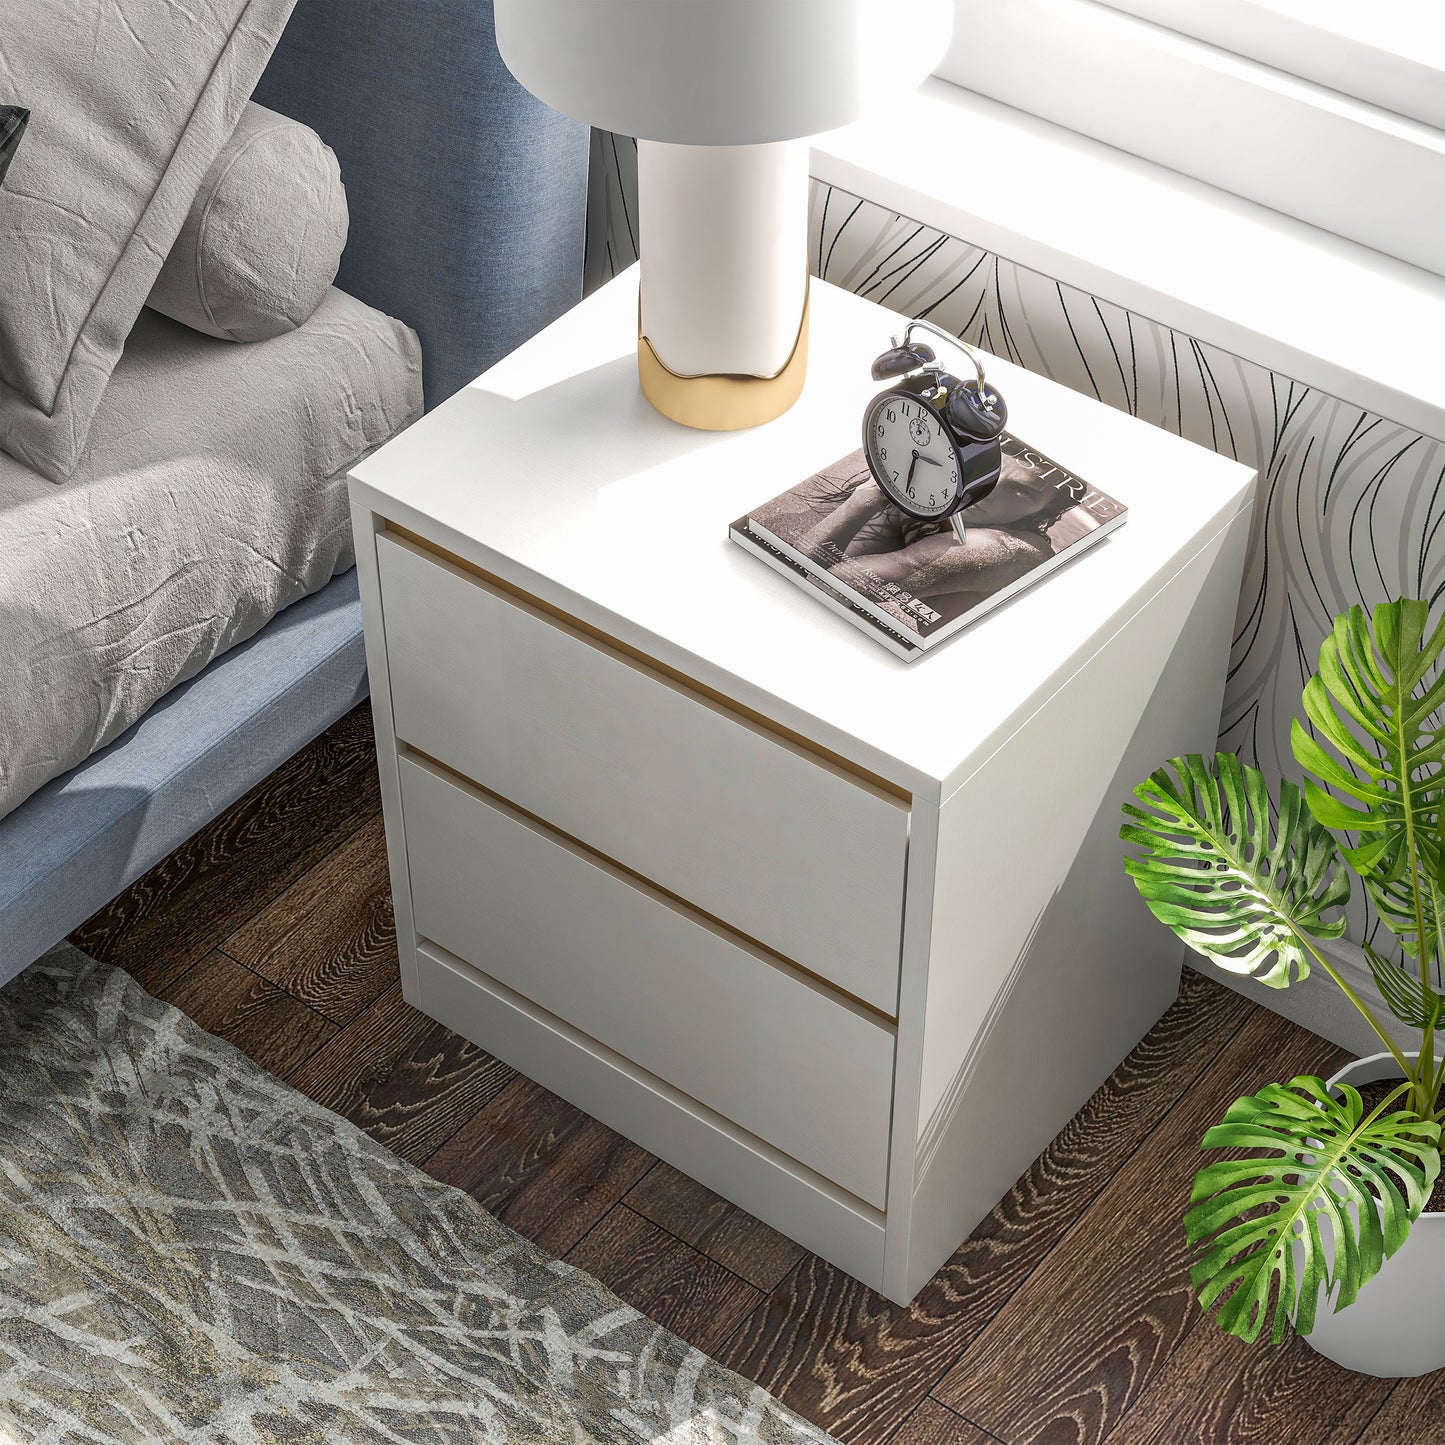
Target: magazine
(890,636)
(903,580)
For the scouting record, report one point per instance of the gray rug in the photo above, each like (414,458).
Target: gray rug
(192,1251)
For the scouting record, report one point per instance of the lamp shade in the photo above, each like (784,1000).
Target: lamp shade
(720,72)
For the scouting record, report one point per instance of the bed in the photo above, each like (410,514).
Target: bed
(179,538)
(179,617)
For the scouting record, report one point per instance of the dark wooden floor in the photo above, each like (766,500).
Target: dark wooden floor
(1065,1318)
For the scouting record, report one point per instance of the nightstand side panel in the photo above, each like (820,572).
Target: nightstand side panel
(1045,968)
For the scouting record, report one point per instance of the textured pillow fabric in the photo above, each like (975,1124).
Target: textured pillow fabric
(12,127)
(263,240)
(139,98)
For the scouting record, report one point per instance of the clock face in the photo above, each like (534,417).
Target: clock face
(911,454)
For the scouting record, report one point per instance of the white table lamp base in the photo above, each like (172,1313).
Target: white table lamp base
(722,324)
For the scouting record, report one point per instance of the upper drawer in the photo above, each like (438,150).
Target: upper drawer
(699,800)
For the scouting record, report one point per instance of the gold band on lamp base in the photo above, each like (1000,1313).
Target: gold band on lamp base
(723,402)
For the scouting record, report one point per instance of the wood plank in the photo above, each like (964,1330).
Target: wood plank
(667,1280)
(542,1167)
(1215,1387)
(1409,1405)
(330,938)
(842,1355)
(405,1079)
(834,1350)
(935,1424)
(189,902)
(263,1021)
(1115,1301)
(724,1233)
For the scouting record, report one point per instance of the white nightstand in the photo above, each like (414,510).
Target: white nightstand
(846,939)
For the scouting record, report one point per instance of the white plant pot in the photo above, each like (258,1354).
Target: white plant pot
(1396,1327)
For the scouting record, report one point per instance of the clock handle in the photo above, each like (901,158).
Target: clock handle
(952,340)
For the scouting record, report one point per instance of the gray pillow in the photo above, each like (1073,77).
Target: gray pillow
(140,96)
(263,240)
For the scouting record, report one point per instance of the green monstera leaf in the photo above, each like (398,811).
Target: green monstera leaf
(1373,702)
(1255,1222)
(1233,886)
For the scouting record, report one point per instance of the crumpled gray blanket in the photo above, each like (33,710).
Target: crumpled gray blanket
(212,494)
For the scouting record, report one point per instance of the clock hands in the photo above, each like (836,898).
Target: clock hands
(918,456)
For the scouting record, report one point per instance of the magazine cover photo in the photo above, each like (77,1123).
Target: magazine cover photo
(920,574)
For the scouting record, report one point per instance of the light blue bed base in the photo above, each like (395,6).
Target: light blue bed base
(73,845)
(468,207)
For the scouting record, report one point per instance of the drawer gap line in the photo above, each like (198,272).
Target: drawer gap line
(632,657)
(644,885)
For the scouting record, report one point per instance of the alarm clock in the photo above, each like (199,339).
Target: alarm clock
(931,440)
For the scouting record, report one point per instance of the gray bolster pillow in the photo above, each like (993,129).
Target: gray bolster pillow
(263,239)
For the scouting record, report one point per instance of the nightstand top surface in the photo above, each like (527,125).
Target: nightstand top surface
(552,472)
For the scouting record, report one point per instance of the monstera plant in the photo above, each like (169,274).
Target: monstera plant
(1257,885)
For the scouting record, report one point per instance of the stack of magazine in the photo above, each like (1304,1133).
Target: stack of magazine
(910,584)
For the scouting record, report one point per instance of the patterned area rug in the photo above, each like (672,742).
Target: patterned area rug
(192,1251)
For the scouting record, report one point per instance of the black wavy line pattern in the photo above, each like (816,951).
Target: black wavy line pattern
(1347,510)
(1349,503)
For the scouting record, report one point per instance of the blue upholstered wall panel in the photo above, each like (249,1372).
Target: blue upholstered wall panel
(468,197)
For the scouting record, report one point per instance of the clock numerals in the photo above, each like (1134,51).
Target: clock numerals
(926,477)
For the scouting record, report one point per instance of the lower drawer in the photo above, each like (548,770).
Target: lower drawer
(699,1142)
(772,1050)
